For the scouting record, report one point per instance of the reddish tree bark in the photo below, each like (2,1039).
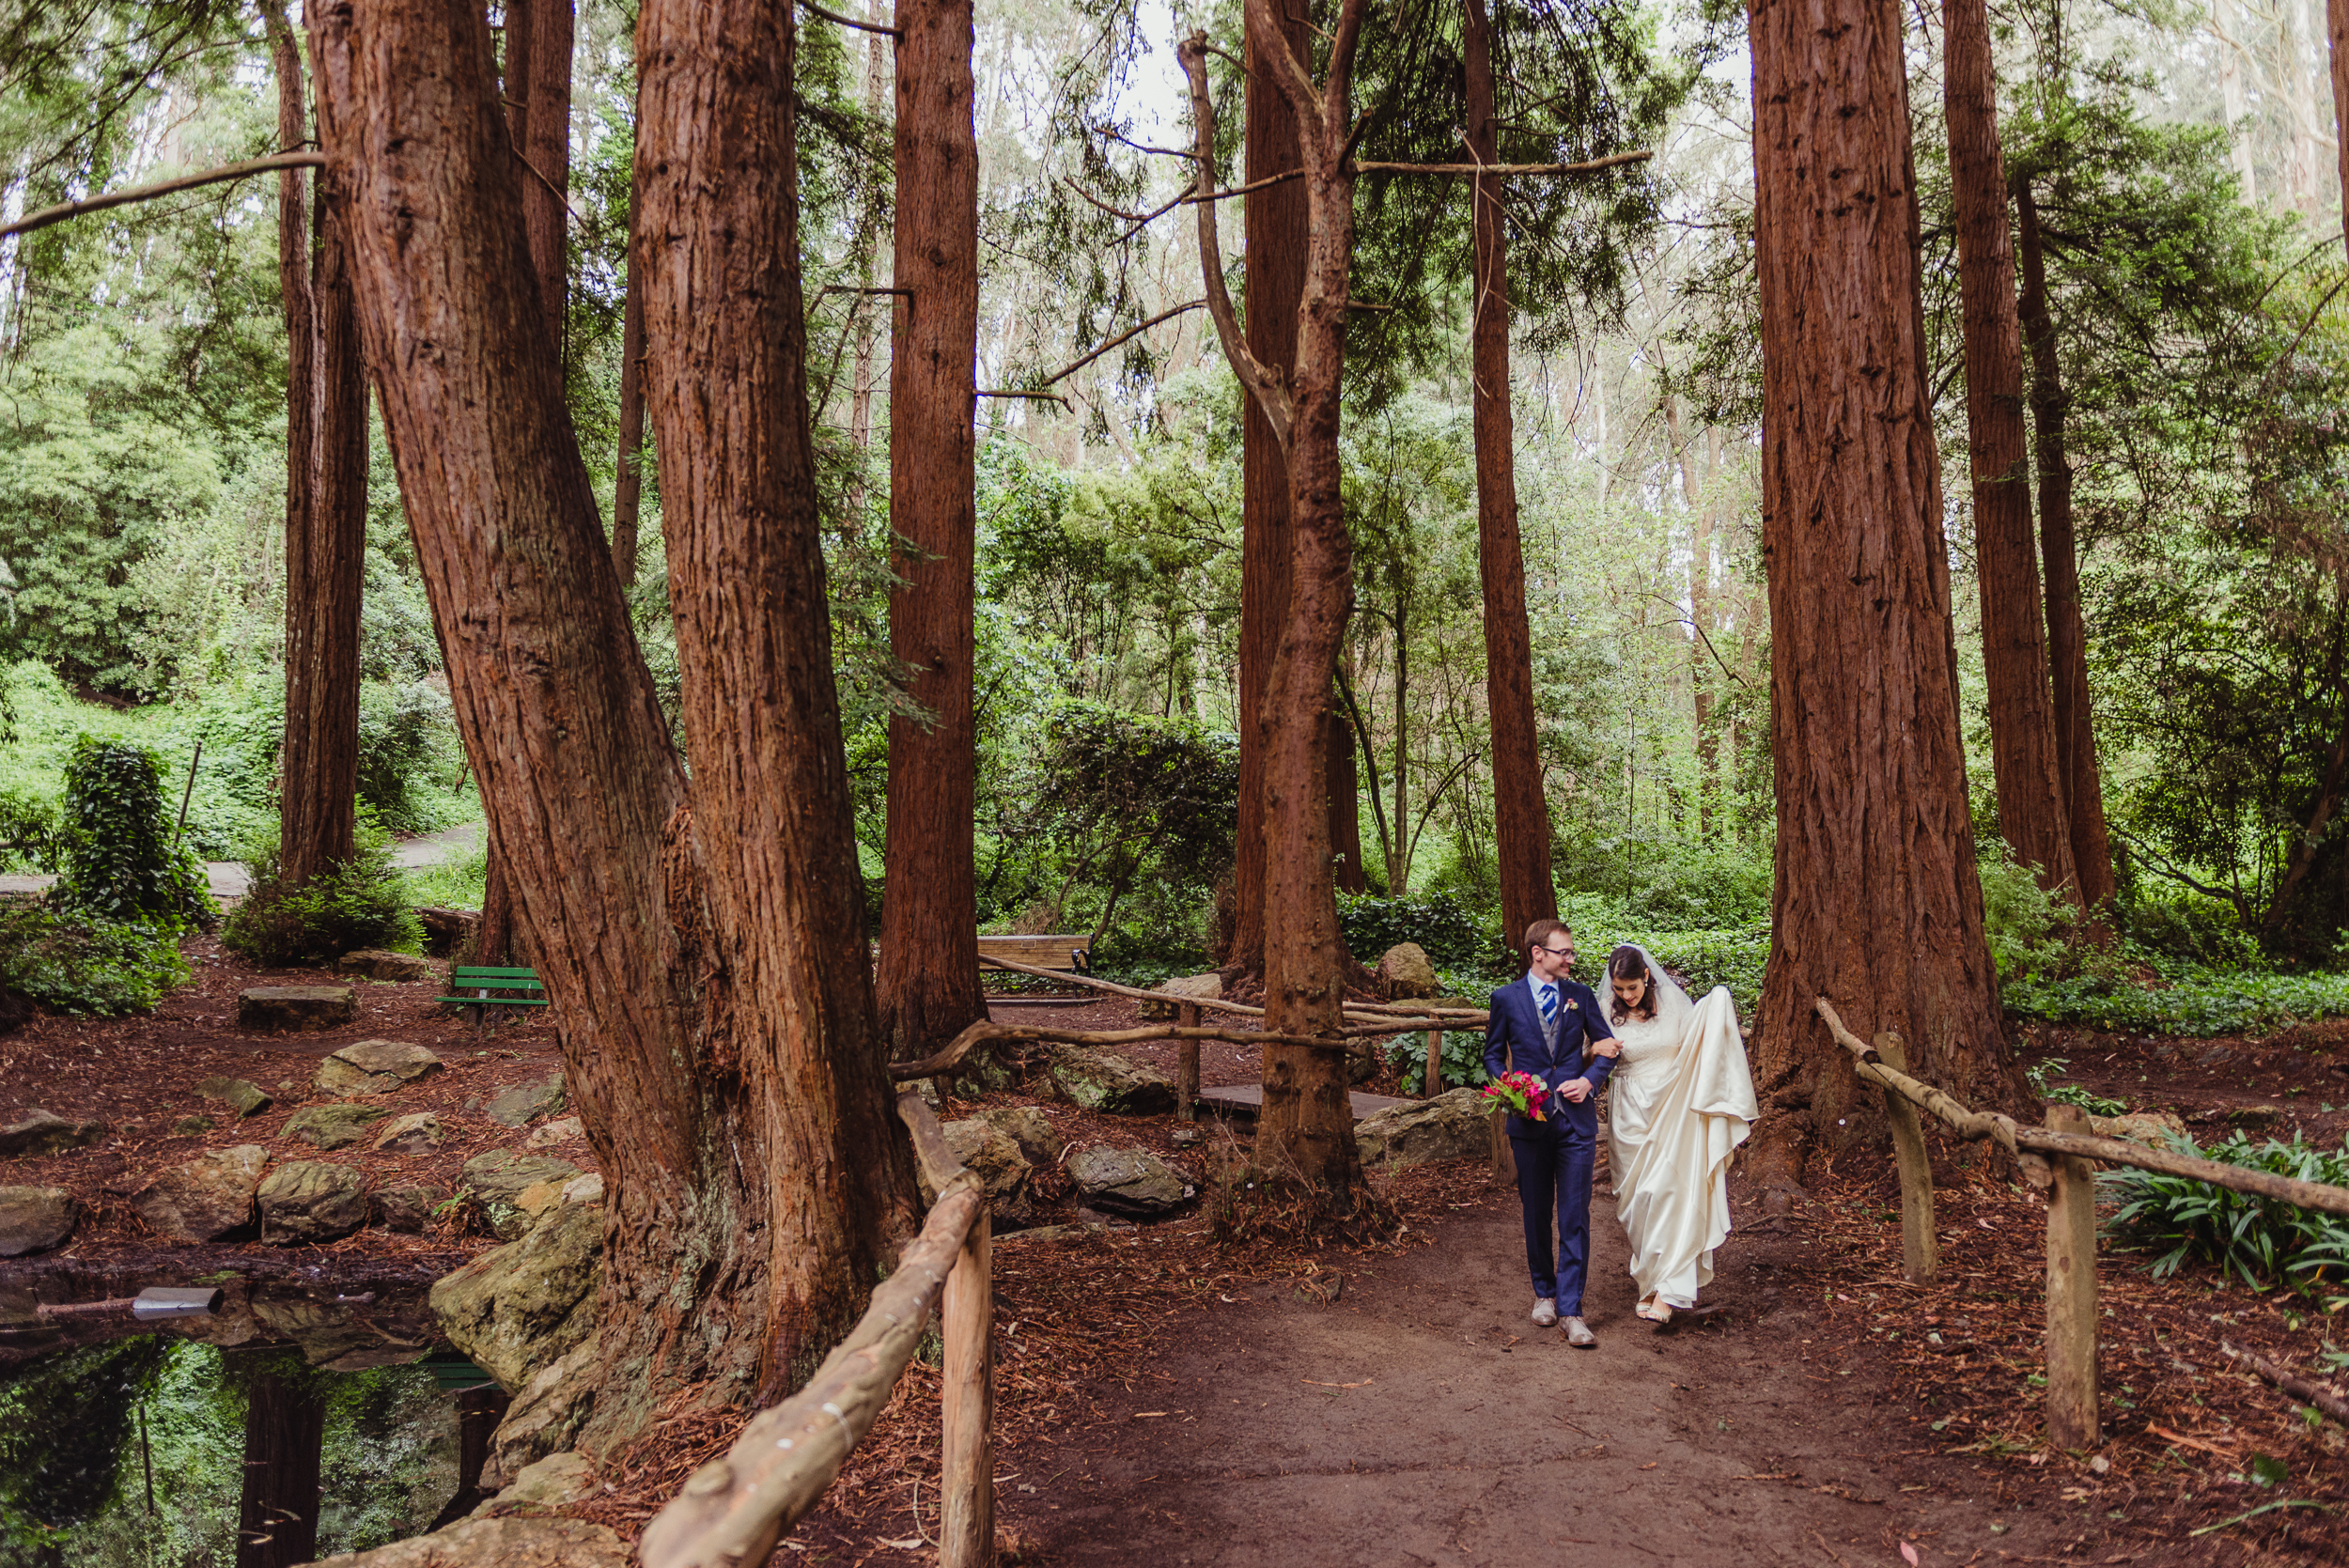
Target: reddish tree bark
(542,138)
(628,484)
(2067,630)
(1273,281)
(326,506)
(929,986)
(1345,803)
(701,943)
(1521,809)
(284,1429)
(1878,905)
(2023,756)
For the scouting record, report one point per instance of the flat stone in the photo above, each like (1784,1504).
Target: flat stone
(515,1543)
(1128,1181)
(1455,1126)
(206,1198)
(187,1126)
(1404,970)
(518,1309)
(1104,1081)
(375,1068)
(525,1103)
(375,963)
(45,1132)
(419,1132)
(501,1176)
(1182,988)
(246,1099)
(409,1209)
(333,1127)
(542,1486)
(35,1218)
(296,1007)
(562,1129)
(312,1200)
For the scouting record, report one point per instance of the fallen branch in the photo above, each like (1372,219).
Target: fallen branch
(2322,1396)
(58,214)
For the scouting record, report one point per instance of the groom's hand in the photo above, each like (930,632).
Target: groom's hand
(1576,1090)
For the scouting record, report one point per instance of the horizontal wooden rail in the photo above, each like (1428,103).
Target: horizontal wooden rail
(1406,1020)
(1353,1042)
(733,1510)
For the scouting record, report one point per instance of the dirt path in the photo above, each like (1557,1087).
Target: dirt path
(1457,1433)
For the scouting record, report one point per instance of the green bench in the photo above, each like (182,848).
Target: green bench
(482,982)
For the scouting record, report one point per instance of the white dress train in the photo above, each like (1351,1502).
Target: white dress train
(1680,1100)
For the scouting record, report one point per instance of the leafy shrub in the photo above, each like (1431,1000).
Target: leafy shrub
(94,968)
(2197,1002)
(2262,1241)
(1439,923)
(2024,923)
(404,738)
(2189,927)
(29,830)
(1463,1059)
(120,861)
(2069,1094)
(360,903)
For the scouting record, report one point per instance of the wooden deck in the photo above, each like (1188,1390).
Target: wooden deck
(1247,1099)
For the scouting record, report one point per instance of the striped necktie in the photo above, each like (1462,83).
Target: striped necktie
(1549,1005)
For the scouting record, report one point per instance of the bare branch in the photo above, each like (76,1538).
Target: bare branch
(1594,166)
(58,214)
(1267,385)
(839,20)
(1071,368)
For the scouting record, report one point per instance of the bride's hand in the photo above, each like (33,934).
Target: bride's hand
(1609,1049)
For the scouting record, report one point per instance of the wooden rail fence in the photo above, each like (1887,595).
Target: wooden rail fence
(2061,1159)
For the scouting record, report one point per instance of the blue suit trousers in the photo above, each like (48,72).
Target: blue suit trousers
(1554,1160)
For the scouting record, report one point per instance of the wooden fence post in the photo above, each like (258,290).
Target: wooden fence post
(1432,1085)
(2072,1406)
(1186,1064)
(966,1524)
(1504,1158)
(1920,1253)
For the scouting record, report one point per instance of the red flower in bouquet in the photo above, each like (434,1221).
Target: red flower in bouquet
(1521,1093)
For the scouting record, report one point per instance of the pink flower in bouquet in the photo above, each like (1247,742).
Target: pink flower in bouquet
(1521,1093)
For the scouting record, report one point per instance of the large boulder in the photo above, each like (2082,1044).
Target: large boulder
(518,1309)
(1182,988)
(244,1099)
(1404,970)
(547,1415)
(44,1132)
(207,1198)
(1128,1181)
(375,1068)
(296,1007)
(375,963)
(35,1218)
(501,1176)
(335,1126)
(311,1201)
(1457,1126)
(525,1103)
(522,1542)
(1114,1085)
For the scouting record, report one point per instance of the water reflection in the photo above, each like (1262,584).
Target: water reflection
(306,1417)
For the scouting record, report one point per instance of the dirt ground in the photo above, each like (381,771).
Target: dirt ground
(1164,1395)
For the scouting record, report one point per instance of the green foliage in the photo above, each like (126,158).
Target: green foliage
(1441,923)
(2262,1241)
(1463,1059)
(2190,1001)
(2069,1094)
(120,860)
(360,903)
(2025,925)
(64,1422)
(2185,926)
(94,968)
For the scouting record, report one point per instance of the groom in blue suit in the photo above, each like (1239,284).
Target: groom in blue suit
(1544,1024)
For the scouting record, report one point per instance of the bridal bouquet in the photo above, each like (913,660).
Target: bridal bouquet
(1520,1092)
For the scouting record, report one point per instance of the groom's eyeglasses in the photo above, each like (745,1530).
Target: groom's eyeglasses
(1566,952)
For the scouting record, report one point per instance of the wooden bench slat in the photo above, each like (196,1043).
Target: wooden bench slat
(491,974)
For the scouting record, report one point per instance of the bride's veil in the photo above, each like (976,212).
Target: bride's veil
(1673,1004)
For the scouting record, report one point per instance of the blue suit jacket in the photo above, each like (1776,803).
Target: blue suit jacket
(1512,1041)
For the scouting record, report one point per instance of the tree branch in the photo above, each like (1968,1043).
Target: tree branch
(1267,385)
(839,20)
(58,214)
(1594,166)
(1071,368)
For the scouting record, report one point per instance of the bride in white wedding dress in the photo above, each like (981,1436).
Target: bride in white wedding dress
(1680,1101)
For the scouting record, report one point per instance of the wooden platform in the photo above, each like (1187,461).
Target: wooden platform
(1247,1099)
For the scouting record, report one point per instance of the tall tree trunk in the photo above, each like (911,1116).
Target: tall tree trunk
(2032,818)
(930,947)
(1700,606)
(878,68)
(703,948)
(1877,902)
(2336,30)
(1346,802)
(628,484)
(1273,274)
(543,141)
(2067,630)
(1521,809)
(284,1429)
(1399,865)
(326,520)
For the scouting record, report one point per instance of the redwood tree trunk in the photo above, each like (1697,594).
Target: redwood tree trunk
(326,519)
(543,138)
(1273,272)
(2023,754)
(284,1428)
(2067,630)
(628,487)
(1521,809)
(1346,802)
(703,952)
(929,986)
(1876,904)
